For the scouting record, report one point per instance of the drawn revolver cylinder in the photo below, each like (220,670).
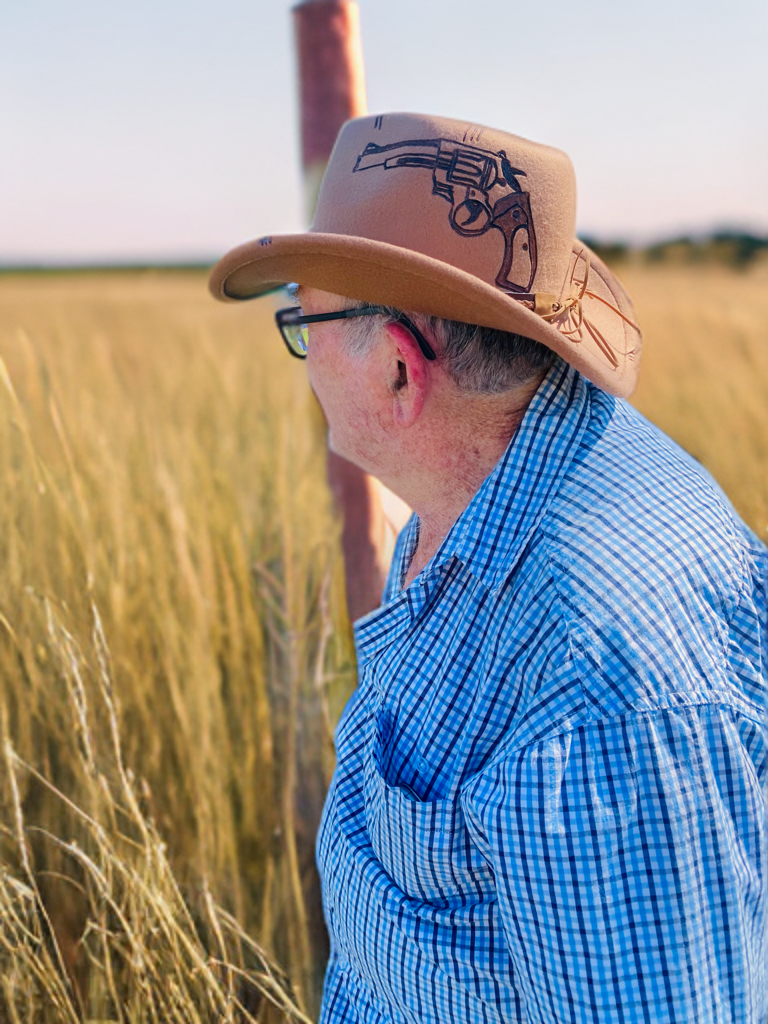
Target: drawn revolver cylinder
(483,191)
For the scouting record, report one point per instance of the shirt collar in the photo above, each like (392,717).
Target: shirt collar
(490,534)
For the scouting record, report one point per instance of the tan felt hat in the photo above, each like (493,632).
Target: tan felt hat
(458,221)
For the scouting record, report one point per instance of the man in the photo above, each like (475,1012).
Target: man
(548,801)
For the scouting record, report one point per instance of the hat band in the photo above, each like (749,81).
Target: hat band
(569,317)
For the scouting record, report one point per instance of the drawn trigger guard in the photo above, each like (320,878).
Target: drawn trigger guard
(471,217)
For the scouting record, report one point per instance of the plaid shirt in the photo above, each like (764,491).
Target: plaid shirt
(548,802)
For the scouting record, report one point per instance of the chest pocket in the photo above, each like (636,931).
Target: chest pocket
(421,844)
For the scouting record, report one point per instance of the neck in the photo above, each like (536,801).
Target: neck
(444,467)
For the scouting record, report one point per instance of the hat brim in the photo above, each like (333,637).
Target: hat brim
(385,274)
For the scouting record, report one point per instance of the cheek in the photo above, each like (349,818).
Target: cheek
(328,367)
(321,374)
(356,426)
(327,384)
(346,388)
(314,378)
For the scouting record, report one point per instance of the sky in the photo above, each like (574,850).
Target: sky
(168,129)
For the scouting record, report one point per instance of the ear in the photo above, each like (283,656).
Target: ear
(410,376)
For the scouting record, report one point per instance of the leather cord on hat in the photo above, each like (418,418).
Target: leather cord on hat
(550,309)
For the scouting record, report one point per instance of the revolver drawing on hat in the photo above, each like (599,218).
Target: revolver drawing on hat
(483,191)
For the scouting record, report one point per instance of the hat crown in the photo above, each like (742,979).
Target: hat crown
(492,204)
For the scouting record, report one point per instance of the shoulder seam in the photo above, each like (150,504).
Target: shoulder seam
(727,704)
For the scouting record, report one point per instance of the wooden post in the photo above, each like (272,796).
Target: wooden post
(331,81)
(331,91)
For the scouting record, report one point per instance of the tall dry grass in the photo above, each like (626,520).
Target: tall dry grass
(169,606)
(705,371)
(173,648)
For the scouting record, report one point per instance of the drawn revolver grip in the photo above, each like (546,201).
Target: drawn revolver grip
(466,177)
(512,217)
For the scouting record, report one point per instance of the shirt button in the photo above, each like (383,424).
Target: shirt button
(422,764)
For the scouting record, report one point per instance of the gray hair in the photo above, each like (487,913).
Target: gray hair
(479,360)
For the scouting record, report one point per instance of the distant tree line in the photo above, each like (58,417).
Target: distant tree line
(737,249)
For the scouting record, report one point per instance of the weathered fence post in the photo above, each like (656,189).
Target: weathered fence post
(332,90)
(331,80)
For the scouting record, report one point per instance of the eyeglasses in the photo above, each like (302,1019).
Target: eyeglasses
(293,325)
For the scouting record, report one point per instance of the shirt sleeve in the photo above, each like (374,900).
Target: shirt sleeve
(629,858)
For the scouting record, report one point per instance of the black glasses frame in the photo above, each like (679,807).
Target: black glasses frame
(294,315)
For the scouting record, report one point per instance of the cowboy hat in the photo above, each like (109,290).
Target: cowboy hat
(455,220)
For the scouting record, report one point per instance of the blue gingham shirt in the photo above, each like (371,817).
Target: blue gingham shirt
(548,804)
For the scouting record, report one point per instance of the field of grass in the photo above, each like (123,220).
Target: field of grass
(705,371)
(173,645)
(166,608)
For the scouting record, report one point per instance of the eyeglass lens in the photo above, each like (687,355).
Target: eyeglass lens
(296,334)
